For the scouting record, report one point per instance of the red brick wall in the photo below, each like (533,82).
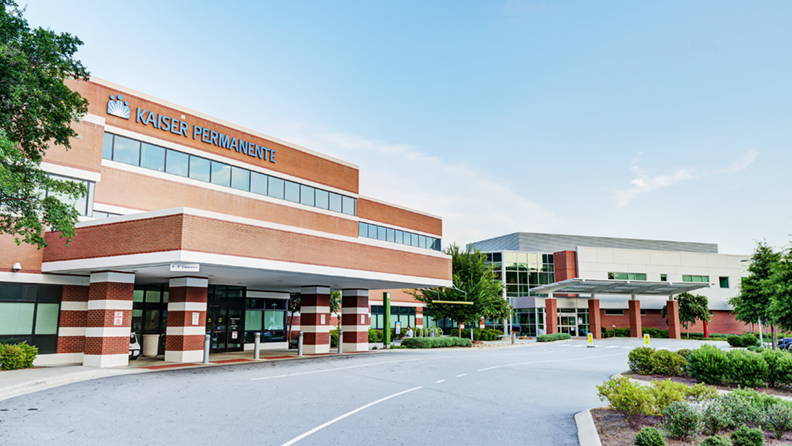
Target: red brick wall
(721,322)
(373,210)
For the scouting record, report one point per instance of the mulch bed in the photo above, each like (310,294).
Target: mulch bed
(614,430)
(777,391)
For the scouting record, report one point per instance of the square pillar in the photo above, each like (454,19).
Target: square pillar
(109,319)
(551,316)
(635,319)
(595,318)
(419,323)
(73,318)
(184,336)
(355,320)
(672,314)
(315,319)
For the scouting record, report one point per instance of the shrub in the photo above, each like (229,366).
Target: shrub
(666,392)
(756,399)
(716,441)
(629,399)
(734,340)
(640,360)
(682,420)
(656,333)
(649,436)
(683,352)
(375,335)
(708,364)
(747,437)
(436,342)
(715,417)
(779,367)
(702,393)
(664,362)
(553,337)
(746,368)
(17,356)
(739,411)
(749,340)
(778,418)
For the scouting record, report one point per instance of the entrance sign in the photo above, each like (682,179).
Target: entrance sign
(646,340)
(398,327)
(195,317)
(185,267)
(118,318)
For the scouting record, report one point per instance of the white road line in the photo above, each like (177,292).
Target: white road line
(350,367)
(441,381)
(548,361)
(459,376)
(316,429)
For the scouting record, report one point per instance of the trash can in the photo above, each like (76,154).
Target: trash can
(150,345)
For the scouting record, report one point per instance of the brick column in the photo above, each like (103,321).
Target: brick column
(595,318)
(551,316)
(109,319)
(635,319)
(73,315)
(672,313)
(186,319)
(355,320)
(419,323)
(315,319)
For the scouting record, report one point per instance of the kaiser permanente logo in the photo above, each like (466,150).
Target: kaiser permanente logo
(165,123)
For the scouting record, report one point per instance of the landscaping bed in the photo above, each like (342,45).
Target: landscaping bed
(777,391)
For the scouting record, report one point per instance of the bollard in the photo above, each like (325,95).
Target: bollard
(257,345)
(512,337)
(340,339)
(471,332)
(207,343)
(300,344)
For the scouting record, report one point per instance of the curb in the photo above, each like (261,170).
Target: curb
(61,380)
(587,430)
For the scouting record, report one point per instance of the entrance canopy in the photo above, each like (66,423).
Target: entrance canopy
(620,287)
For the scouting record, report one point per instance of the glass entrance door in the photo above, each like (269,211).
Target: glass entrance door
(224,325)
(567,322)
(235,332)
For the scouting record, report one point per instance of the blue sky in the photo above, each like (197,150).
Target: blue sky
(665,120)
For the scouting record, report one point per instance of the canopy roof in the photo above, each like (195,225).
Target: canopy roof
(625,287)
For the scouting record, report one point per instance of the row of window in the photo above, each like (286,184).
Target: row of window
(696,279)
(29,313)
(723,281)
(137,153)
(396,236)
(627,276)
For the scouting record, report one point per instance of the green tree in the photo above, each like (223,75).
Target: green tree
(754,299)
(692,307)
(474,281)
(780,285)
(36,110)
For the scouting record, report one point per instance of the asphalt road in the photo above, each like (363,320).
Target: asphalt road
(518,396)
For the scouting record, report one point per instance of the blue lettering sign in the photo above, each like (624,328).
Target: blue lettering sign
(234,144)
(272,156)
(196,131)
(151,119)
(139,114)
(213,137)
(165,124)
(183,126)
(205,135)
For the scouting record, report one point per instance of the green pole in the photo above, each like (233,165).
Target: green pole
(386,319)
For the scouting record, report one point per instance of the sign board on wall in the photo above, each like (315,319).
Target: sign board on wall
(195,318)
(185,267)
(118,318)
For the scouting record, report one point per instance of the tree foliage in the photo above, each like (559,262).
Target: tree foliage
(692,308)
(474,281)
(36,110)
(753,301)
(780,287)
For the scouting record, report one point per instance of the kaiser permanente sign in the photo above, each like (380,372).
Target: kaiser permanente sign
(175,126)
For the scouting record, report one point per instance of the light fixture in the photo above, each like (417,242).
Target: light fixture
(17,266)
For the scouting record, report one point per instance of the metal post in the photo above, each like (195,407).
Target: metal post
(512,337)
(300,343)
(340,339)
(257,345)
(471,332)
(386,335)
(207,344)
(761,342)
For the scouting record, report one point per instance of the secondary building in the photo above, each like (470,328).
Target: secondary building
(579,284)
(193,225)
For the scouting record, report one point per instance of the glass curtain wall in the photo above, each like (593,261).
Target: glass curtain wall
(30,313)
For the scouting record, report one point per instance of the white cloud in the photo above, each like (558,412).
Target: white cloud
(644,183)
(473,203)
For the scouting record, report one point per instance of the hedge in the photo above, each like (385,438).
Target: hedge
(436,342)
(17,356)
(553,337)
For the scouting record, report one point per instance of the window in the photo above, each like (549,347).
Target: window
(724,282)
(643,312)
(322,198)
(221,174)
(177,163)
(79,203)
(362,229)
(307,196)
(240,179)
(126,150)
(349,206)
(395,236)
(30,313)
(696,279)
(199,169)
(276,187)
(626,276)
(152,157)
(292,192)
(335,202)
(664,277)
(614,312)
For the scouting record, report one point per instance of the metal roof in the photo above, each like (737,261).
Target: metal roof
(550,243)
(623,287)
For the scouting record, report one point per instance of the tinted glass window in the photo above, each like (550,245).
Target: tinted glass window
(362,229)
(152,157)
(221,174)
(421,241)
(349,206)
(258,183)
(399,237)
(381,233)
(107,146)
(414,239)
(292,192)
(240,179)
(322,198)
(126,151)
(16,318)
(47,319)
(199,168)
(276,186)
(307,195)
(372,231)
(177,163)
(391,236)
(335,202)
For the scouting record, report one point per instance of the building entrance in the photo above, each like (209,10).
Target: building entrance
(224,325)
(573,321)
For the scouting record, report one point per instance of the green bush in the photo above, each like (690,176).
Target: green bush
(656,333)
(627,398)
(779,367)
(715,417)
(666,392)
(553,337)
(778,418)
(716,441)
(749,340)
(375,335)
(746,368)
(664,362)
(640,360)
(734,340)
(488,334)
(649,436)
(702,393)
(745,436)
(684,352)
(17,356)
(739,411)
(436,342)
(682,420)
(708,364)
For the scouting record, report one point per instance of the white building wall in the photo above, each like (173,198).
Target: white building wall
(596,263)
